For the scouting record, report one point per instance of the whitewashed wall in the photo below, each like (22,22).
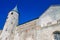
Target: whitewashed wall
(47,33)
(50,15)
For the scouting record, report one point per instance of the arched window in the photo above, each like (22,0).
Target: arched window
(56,35)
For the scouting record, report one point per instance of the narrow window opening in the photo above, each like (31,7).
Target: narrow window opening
(12,13)
(56,35)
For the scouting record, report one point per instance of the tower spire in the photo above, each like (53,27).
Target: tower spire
(15,9)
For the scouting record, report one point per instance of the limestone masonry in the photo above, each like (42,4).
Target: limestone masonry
(46,27)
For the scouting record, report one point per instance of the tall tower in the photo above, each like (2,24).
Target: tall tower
(11,22)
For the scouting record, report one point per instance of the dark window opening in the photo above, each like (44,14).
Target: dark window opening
(12,13)
(56,35)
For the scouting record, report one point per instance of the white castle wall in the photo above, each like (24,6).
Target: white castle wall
(11,22)
(40,29)
(47,33)
(52,14)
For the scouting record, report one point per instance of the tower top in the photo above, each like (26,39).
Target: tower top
(15,9)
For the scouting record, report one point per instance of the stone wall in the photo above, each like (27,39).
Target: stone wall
(47,32)
(34,32)
(31,31)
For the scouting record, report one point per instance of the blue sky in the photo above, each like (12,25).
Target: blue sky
(28,9)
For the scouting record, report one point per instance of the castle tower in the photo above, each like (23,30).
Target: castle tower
(11,22)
